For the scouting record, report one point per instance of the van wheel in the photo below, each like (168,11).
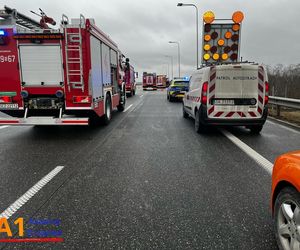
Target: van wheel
(255,129)
(199,127)
(184,113)
(107,116)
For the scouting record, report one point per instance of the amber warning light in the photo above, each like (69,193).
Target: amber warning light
(221,38)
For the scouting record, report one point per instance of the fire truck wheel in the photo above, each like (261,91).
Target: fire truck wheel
(185,114)
(255,129)
(121,105)
(107,115)
(199,127)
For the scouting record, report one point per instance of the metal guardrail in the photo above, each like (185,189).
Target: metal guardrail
(284,102)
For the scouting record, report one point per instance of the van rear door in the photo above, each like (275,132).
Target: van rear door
(236,91)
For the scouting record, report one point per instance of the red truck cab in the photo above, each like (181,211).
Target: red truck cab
(130,84)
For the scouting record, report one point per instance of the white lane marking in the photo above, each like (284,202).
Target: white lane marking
(2,127)
(141,96)
(285,127)
(267,165)
(128,107)
(13,208)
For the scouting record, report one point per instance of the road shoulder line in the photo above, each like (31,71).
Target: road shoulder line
(128,108)
(13,208)
(263,162)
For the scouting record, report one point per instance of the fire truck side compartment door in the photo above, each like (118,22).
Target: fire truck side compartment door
(41,65)
(106,71)
(97,85)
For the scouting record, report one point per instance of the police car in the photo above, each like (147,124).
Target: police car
(228,94)
(177,88)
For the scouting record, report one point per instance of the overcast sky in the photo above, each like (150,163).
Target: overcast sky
(142,28)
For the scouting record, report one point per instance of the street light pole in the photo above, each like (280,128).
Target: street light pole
(171,65)
(197,28)
(178,55)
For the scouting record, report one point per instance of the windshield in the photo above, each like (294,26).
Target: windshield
(184,83)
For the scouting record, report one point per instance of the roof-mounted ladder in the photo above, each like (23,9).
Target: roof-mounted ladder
(11,17)
(74,64)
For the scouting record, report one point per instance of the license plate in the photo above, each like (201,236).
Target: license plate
(9,106)
(224,102)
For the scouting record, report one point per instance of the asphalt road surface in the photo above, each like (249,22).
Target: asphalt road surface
(146,181)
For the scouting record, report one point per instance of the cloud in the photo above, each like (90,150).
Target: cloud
(142,29)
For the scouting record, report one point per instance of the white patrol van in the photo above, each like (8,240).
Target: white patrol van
(228,94)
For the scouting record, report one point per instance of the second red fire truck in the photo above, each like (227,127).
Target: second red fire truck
(161,81)
(149,81)
(70,76)
(130,84)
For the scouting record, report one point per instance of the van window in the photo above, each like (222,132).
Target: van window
(196,80)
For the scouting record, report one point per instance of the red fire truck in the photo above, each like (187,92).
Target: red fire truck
(70,76)
(130,84)
(161,81)
(149,81)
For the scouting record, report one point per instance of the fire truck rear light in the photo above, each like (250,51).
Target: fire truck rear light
(5,99)
(82,99)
